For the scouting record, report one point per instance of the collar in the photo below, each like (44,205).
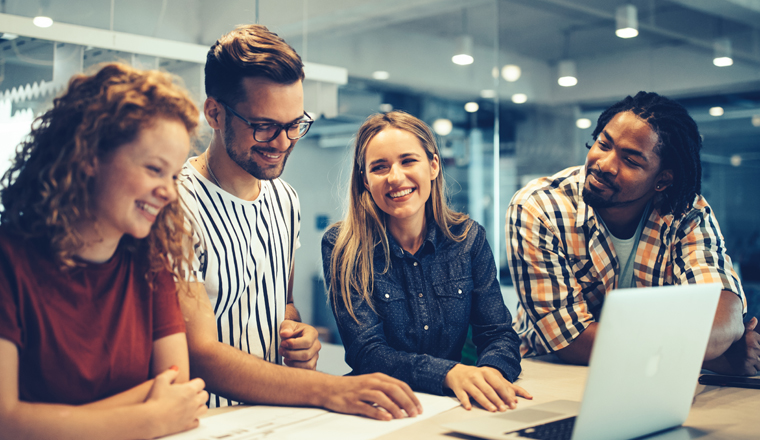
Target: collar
(429,245)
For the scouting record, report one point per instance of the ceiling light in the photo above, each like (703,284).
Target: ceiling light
(42,21)
(385,107)
(7,36)
(756,120)
(442,126)
(583,123)
(567,75)
(471,107)
(627,21)
(380,75)
(716,111)
(488,94)
(722,48)
(463,55)
(736,160)
(511,72)
(519,98)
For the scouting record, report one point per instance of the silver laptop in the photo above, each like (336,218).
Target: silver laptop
(642,375)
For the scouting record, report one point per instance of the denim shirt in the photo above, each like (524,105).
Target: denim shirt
(425,303)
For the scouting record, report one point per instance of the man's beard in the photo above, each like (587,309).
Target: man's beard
(249,164)
(595,201)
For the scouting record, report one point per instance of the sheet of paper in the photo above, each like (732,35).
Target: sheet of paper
(260,422)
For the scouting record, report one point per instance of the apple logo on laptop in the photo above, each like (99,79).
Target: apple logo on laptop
(653,364)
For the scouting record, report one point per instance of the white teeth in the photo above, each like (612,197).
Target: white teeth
(150,209)
(397,194)
(271,156)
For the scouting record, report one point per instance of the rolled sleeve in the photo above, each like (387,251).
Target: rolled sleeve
(699,253)
(552,310)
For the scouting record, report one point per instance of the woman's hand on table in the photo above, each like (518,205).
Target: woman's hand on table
(176,407)
(485,385)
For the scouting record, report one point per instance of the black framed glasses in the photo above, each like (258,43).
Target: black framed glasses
(270,130)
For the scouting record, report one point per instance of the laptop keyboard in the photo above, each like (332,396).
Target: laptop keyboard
(559,430)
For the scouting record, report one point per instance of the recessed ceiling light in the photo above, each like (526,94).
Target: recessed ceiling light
(511,72)
(385,107)
(756,120)
(716,111)
(442,126)
(583,123)
(519,98)
(487,94)
(380,75)
(471,107)
(42,21)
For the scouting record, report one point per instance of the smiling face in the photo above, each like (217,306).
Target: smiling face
(266,101)
(398,174)
(623,166)
(134,182)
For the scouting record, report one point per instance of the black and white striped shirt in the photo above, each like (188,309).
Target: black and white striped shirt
(243,255)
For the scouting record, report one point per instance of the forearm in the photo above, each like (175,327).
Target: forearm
(291,313)
(26,420)
(727,325)
(579,350)
(501,350)
(240,376)
(132,396)
(422,372)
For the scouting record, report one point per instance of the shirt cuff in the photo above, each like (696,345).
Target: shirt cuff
(510,370)
(430,378)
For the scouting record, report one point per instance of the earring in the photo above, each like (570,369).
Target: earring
(658,187)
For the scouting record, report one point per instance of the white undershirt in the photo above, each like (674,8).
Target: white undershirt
(623,249)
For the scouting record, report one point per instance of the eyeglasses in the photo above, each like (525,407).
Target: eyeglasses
(269,131)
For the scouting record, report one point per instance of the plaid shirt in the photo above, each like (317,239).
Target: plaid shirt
(563,262)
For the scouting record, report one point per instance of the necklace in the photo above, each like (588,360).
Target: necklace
(211,173)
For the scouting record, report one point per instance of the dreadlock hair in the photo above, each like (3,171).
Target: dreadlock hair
(678,145)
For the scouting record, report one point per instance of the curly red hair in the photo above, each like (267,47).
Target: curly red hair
(48,187)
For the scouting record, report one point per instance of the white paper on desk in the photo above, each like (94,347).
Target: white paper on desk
(258,422)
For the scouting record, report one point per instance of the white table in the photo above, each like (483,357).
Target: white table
(717,412)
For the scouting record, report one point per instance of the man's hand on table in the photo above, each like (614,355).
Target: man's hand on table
(299,344)
(376,395)
(484,384)
(743,356)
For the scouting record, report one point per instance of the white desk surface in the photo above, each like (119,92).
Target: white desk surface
(717,412)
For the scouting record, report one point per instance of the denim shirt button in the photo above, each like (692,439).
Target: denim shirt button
(420,295)
(459,291)
(387,296)
(426,327)
(415,263)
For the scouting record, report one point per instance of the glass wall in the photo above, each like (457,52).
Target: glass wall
(502,120)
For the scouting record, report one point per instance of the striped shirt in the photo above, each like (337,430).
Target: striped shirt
(244,256)
(563,262)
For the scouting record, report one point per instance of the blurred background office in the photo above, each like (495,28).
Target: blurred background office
(513,88)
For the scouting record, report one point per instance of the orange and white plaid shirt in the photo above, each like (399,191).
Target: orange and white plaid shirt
(563,262)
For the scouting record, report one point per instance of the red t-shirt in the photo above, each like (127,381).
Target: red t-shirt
(86,333)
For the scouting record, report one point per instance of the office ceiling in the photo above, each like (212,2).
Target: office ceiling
(414,39)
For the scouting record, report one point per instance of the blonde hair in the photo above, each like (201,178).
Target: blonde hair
(352,261)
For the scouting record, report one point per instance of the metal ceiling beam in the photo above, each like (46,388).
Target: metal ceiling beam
(742,11)
(602,14)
